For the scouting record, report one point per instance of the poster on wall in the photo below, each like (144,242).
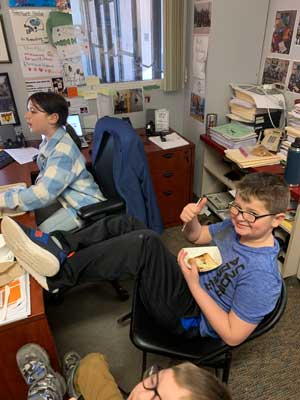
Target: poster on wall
(283,31)
(198,87)
(32,3)
(72,72)
(202,17)
(39,61)
(200,47)
(29,26)
(294,82)
(128,101)
(38,85)
(197,107)
(7,101)
(275,70)
(297,39)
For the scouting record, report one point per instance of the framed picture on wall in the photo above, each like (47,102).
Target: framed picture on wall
(8,110)
(4,52)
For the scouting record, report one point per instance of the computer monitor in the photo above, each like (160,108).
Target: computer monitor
(74,121)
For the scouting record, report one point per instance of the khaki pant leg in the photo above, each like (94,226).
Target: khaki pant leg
(94,380)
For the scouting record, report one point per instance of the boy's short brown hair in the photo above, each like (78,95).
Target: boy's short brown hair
(271,189)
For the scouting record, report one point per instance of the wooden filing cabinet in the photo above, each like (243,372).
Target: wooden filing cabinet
(172,173)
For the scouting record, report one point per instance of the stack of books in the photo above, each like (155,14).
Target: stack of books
(233,135)
(294,117)
(247,157)
(254,108)
(291,134)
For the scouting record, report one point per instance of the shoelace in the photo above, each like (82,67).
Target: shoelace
(48,388)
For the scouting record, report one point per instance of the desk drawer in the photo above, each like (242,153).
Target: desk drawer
(168,160)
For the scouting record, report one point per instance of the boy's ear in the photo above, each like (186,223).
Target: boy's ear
(279,218)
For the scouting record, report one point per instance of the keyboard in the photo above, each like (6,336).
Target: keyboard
(5,159)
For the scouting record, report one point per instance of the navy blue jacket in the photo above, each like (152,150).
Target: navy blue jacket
(130,170)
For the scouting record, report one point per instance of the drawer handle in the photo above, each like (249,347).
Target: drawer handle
(168,155)
(168,174)
(168,193)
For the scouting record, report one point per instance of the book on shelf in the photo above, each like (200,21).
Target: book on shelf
(293,132)
(16,211)
(249,157)
(259,97)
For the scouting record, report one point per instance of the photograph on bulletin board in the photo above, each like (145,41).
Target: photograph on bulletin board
(294,82)
(8,109)
(32,3)
(283,31)
(275,70)
(127,101)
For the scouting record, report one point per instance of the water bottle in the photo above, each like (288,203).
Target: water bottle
(292,169)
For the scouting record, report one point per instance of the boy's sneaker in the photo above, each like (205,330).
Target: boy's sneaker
(33,362)
(70,363)
(51,387)
(32,247)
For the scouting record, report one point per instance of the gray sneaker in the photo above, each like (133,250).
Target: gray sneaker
(33,362)
(34,365)
(51,387)
(70,363)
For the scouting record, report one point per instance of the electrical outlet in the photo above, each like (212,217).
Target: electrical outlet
(18,130)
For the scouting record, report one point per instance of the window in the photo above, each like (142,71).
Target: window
(125,38)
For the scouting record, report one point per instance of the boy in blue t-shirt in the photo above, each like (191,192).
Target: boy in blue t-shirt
(228,302)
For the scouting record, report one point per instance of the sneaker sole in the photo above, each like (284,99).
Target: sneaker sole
(41,260)
(41,354)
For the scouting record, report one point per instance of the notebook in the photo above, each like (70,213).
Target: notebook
(74,121)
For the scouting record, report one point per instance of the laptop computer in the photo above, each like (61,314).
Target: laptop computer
(74,121)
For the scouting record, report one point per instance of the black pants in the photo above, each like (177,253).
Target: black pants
(120,247)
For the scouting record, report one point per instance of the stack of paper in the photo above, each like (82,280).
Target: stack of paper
(233,135)
(15,300)
(172,140)
(244,158)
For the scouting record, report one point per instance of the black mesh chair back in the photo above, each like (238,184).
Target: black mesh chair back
(147,336)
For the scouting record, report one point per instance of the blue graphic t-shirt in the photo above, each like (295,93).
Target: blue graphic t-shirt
(248,281)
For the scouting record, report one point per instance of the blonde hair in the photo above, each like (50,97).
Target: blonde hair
(271,189)
(201,383)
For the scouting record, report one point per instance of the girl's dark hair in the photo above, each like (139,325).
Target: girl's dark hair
(51,103)
(201,383)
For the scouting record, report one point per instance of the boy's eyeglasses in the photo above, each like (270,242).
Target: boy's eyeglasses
(247,215)
(150,380)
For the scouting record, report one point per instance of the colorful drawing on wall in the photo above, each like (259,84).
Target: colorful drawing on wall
(275,70)
(294,82)
(4,52)
(197,107)
(202,16)
(29,26)
(7,101)
(32,3)
(128,101)
(283,31)
(200,47)
(39,61)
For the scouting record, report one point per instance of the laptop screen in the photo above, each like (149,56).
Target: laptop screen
(74,121)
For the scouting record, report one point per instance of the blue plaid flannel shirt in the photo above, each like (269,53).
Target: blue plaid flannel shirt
(63,176)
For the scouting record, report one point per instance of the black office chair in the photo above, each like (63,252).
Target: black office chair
(147,336)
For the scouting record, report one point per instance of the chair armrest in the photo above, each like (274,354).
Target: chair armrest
(102,208)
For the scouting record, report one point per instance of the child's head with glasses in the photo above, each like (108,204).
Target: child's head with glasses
(259,206)
(184,381)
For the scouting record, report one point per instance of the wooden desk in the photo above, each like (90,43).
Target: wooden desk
(33,329)
(215,179)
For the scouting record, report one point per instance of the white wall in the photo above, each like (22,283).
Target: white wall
(234,54)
